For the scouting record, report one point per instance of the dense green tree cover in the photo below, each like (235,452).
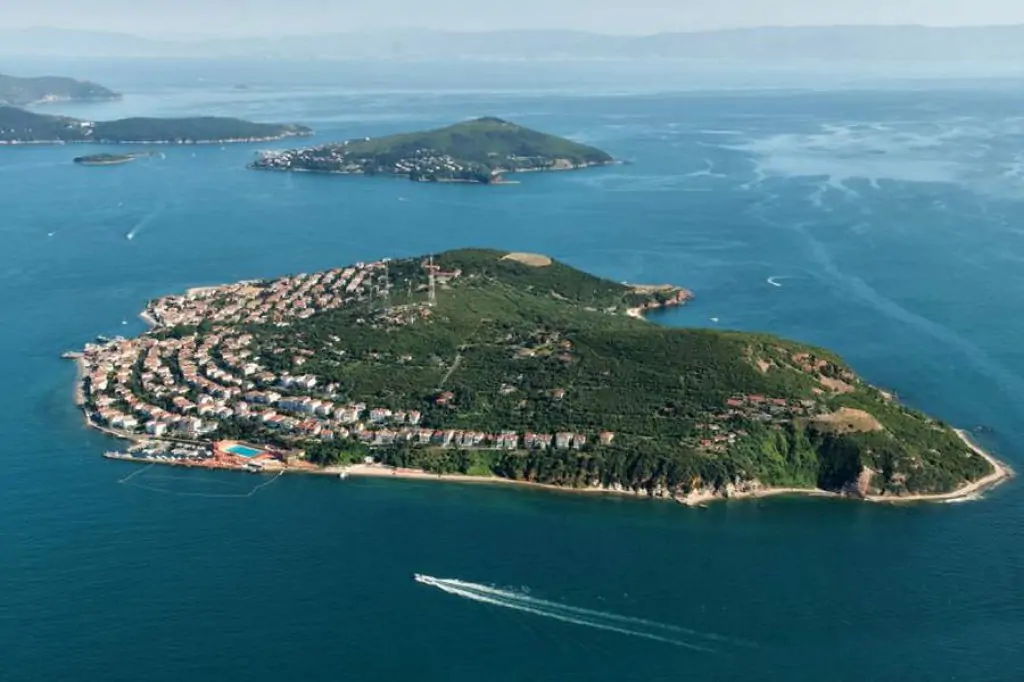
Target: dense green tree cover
(21,91)
(550,349)
(18,125)
(486,141)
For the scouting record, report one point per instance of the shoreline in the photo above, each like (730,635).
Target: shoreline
(697,498)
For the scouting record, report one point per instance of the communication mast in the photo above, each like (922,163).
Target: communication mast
(432,294)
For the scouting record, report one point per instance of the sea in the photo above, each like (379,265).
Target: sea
(879,217)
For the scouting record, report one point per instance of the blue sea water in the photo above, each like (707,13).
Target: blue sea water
(889,219)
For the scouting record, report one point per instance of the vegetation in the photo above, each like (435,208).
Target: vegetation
(511,347)
(22,91)
(472,151)
(20,126)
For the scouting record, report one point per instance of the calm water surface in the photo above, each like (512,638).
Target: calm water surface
(892,220)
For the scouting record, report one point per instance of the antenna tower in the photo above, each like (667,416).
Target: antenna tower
(432,295)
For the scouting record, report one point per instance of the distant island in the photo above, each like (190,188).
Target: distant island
(481,365)
(18,126)
(25,91)
(109,159)
(478,151)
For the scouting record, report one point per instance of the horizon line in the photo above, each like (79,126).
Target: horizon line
(179,37)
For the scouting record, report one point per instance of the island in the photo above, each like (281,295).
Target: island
(477,151)
(18,126)
(483,365)
(26,91)
(109,159)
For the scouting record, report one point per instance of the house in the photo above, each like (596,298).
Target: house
(563,440)
(155,428)
(607,437)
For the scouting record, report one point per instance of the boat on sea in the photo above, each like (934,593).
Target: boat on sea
(102,339)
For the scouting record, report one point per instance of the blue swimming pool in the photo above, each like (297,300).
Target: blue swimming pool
(244,451)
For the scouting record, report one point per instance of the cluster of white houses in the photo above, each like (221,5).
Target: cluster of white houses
(276,301)
(338,158)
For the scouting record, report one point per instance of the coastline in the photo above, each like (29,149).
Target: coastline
(171,143)
(697,498)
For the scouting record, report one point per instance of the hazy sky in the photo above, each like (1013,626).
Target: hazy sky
(252,17)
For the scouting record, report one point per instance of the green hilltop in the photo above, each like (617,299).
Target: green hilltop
(479,150)
(522,343)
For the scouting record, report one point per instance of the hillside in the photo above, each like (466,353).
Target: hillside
(22,91)
(18,126)
(479,150)
(524,368)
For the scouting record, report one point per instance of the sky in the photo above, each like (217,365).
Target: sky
(231,18)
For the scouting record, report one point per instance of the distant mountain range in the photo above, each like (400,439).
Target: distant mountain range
(1002,44)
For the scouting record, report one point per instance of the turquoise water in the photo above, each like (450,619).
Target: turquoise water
(891,219)
(244,451)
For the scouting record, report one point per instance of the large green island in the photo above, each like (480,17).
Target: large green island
(45,89)
(494,366)
(18,126)
(480,151)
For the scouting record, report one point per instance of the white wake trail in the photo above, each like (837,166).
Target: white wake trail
(600,620)
(146,220)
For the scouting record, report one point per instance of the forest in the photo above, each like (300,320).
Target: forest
(513,347)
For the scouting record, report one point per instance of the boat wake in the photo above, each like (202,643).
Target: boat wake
(146,220)
(774,280)
(600,620)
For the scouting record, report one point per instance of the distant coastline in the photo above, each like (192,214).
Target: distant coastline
(20,126)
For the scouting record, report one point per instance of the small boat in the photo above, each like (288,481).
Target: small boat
(102,339)
(343,475)
(129,236)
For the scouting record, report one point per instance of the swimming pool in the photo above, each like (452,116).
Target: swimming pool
(244,451)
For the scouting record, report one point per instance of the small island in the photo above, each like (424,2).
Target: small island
(109,159)
(477,151)
(47,89)
(481,365)
(18,126)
